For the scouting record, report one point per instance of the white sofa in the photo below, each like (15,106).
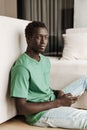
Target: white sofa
(12,44)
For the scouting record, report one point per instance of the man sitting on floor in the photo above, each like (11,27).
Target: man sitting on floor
(30,86)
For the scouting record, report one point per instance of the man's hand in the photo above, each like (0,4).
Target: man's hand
(58,93)
(66,99)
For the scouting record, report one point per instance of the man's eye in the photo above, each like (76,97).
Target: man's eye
(38,37)
(46,37)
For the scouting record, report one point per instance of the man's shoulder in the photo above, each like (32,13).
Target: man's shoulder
(21,62)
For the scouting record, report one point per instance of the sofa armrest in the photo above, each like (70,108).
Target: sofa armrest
(12,44)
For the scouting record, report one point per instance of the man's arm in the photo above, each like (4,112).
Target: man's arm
(24,107)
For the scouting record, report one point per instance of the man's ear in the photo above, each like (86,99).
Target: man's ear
(28,39)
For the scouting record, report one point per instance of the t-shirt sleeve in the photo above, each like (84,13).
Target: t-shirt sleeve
(19,82)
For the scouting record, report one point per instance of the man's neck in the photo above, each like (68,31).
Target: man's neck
(33,54)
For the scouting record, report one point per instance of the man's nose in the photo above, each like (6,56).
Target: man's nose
(42,38)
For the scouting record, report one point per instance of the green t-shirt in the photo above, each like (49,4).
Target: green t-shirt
(30,80)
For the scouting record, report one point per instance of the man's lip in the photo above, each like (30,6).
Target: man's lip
(42,46)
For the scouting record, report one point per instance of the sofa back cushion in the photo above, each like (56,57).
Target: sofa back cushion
(75,46)
(76,30)
(12,44)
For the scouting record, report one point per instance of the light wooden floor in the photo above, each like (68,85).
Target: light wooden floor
(19,124)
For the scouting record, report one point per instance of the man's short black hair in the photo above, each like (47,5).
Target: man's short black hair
(29,30)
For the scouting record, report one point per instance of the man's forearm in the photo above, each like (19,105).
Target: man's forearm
(24,107)
(32,108)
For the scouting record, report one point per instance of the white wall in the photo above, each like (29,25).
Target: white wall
(8,8)
(80,13)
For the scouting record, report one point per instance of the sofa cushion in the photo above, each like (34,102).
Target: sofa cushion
(63,72)
(76,30)
(75,46)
